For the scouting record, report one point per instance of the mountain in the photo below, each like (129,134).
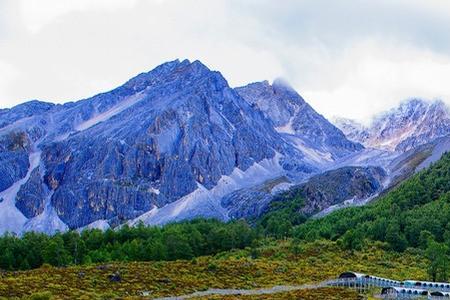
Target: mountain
(411,124)
(298,122)
(167,145)
(178,142)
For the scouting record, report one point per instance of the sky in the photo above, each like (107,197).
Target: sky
(349,58)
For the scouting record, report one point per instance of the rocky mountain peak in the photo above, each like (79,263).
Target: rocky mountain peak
(412,123)
(24,110)
(184,72)
(297,120)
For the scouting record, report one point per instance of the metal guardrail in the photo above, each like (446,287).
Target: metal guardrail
(349,282)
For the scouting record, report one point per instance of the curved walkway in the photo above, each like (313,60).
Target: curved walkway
(261,291)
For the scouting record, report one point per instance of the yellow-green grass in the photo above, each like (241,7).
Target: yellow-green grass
(276,265)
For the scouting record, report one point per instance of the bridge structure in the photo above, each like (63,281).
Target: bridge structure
(393,289)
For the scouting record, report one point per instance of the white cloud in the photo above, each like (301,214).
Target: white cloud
(351,60)
(375,75)
(7,75)
(39,13)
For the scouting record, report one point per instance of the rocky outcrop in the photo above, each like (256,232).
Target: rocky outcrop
(336,186)
(253,202)
(14,148)
(31,196)
(320,192)
(22,111)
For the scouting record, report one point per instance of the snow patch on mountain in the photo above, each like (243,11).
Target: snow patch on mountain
(99,224)
(11,219)
(123,105)
(315,154)
(288,127)
(206,203)
(47,222)
(367,157)
(413,123)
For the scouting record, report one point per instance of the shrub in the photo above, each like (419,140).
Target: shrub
(41,296)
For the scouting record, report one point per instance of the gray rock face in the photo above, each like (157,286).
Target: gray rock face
(296,119)
(413,123)
(188,128)
(334,187)
(252,202)
(30,198)
(13,158)
(21,111)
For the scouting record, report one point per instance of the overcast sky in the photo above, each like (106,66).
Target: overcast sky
(348,58)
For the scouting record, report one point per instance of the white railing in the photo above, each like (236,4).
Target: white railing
(364,284)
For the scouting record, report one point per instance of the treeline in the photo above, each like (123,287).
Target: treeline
(141,243)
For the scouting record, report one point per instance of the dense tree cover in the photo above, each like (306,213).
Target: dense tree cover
(438,267)
(282,216)
(174,241)
(415,215)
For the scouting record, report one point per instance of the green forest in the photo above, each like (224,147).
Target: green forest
(174,241)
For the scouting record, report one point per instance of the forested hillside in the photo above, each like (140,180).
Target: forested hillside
(408,216)
(416,214)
